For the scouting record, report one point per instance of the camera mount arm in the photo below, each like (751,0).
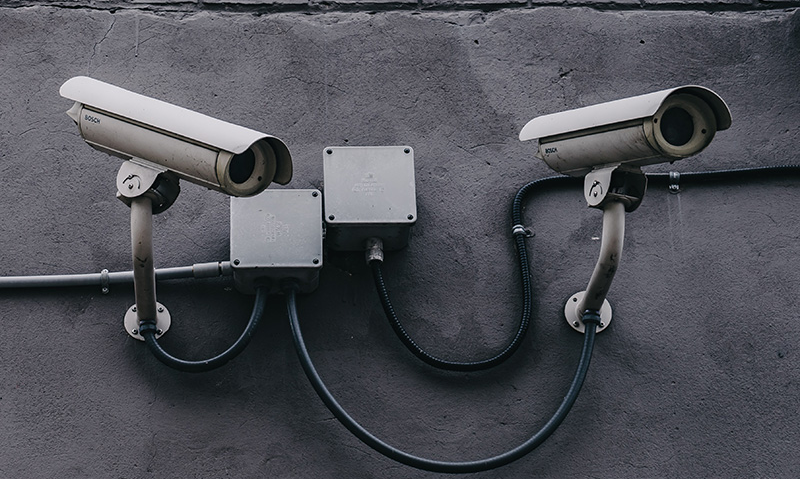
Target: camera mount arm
(616,190)
(148,190)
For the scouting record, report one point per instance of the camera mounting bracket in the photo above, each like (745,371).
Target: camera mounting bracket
(616,190)
(615,183)
(139,177)
(147,190)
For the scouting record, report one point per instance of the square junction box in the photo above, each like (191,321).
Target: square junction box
(369,192)
(276,237)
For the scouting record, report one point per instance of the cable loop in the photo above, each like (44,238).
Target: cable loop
(431,464)
(148,330)
(674,182)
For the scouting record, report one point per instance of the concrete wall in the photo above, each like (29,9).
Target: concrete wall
(698,375)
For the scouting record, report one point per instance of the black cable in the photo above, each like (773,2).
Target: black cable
(527,293)
(591,319)
(148,331)
(522,256)
(735,173)
(445,364)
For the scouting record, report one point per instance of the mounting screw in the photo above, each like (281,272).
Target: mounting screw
(602,324)
(236,261)
(158,331)
(135,331)
(596,189)
(407,151)
(315,194)
(331,217)
(576,324)
(315,260)
(411,217)
(160,309)
(132,181)
(133,309)
(329,151)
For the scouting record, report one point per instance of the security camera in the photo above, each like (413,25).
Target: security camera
(195,147)
(666,125)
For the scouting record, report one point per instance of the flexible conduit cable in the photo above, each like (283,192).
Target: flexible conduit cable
(148,331)
(590,318)
(522,256)
(519,235)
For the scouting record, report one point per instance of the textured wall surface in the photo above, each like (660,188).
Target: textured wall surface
(698,375)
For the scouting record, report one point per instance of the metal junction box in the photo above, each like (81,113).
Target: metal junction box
(276,237)
(369,192)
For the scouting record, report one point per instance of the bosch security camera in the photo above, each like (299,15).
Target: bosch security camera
(666,125)
(608,144)
(161,144)
(195,147)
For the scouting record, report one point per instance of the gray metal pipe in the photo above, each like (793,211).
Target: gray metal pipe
(106,278)
(143,275)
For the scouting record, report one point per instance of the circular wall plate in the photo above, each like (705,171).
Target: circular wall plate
(163,322)
(573,316)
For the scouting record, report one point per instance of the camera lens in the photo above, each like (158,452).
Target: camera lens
(677,126)
(242,166)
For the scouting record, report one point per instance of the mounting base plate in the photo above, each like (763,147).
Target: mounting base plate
(574,316)
(163,321)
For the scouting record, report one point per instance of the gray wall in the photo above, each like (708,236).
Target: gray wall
(697,377)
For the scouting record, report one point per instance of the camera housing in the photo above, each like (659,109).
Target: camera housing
(666,125)
(206,151)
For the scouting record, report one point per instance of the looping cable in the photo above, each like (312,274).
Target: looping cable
(431,464)
(148,330)
(519,234)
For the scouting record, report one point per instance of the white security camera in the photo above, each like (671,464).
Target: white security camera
(608,144)
(666,125)
(195,147)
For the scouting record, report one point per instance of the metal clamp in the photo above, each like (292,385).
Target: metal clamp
(104,281)
(521,230)
(674,182)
